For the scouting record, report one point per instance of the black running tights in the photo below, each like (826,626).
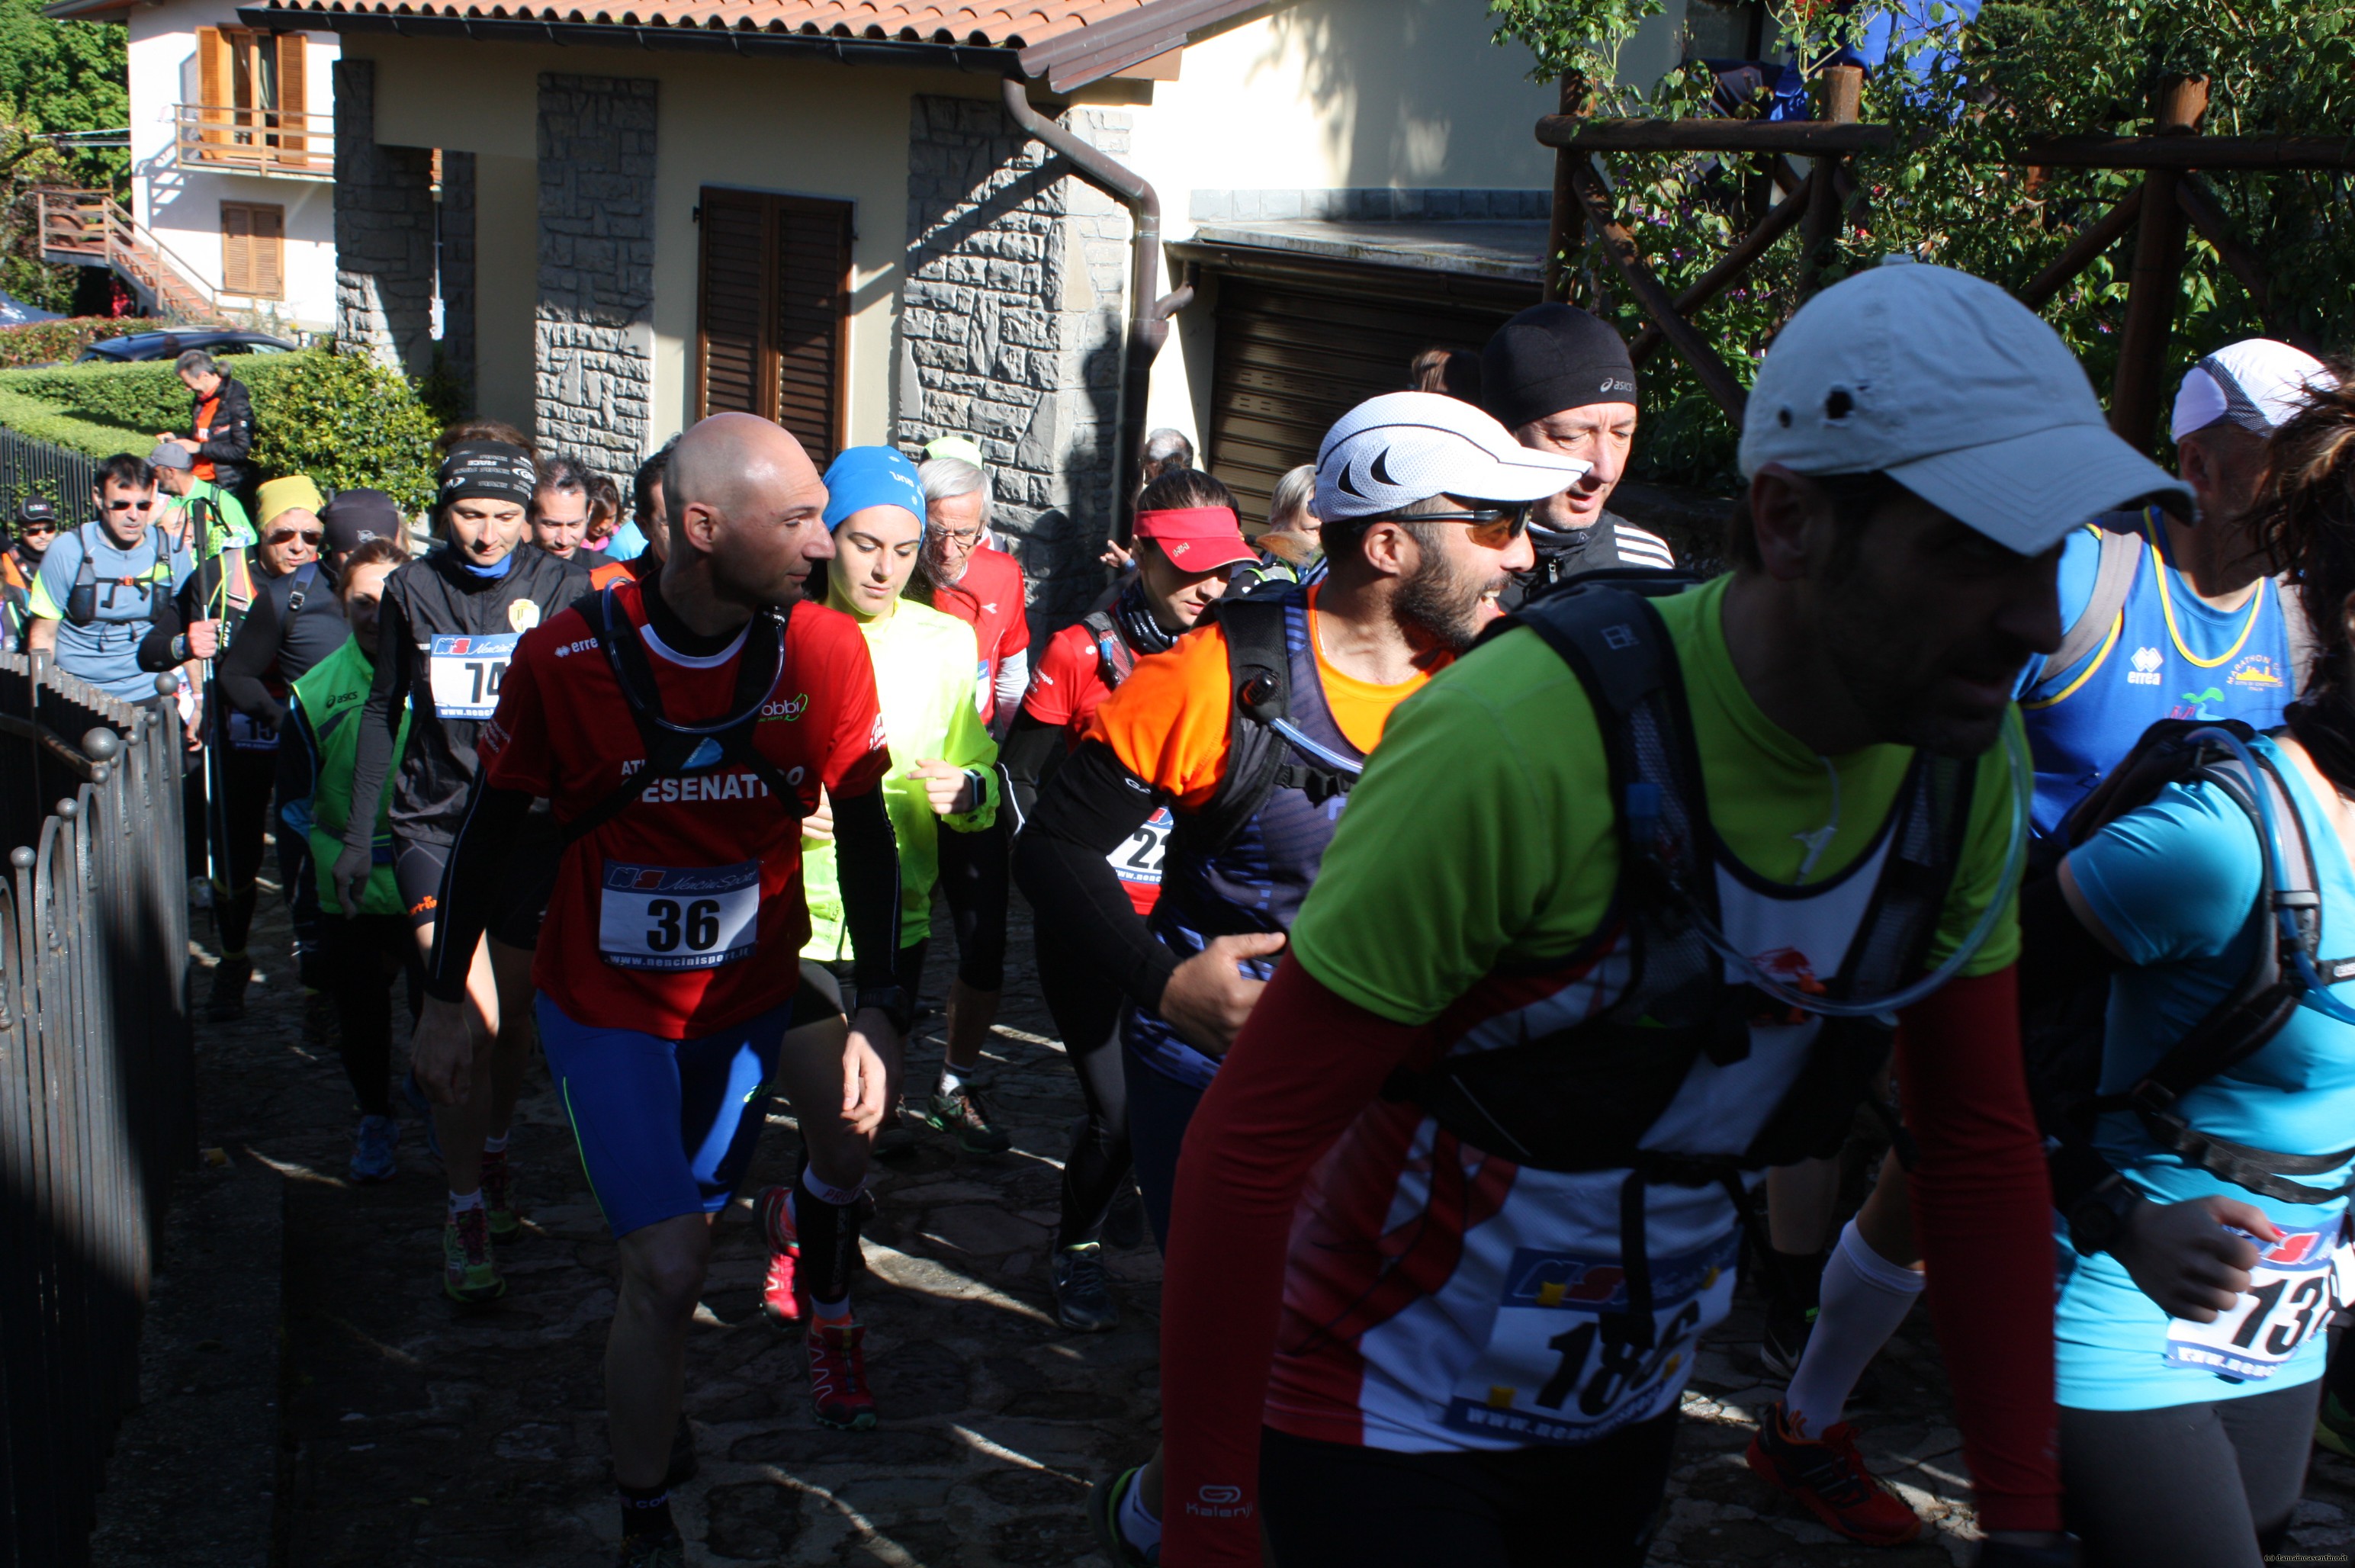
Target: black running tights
(365,954)
(974,879)
(1333,1505)
(2187,1485)
(1086,1009)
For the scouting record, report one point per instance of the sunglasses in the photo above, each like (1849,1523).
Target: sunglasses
(308,535)
(131,506)
(1494,527)
(37,528)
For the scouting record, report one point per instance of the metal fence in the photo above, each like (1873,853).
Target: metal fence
(96,1082)
(31,467)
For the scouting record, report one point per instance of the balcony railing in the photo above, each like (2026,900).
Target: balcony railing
(275,141)
(89,228)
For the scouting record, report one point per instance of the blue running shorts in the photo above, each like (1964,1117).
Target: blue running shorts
(666,1127)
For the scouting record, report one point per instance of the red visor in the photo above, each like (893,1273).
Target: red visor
(1196,539)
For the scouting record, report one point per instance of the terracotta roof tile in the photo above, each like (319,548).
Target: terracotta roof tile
(1018,26)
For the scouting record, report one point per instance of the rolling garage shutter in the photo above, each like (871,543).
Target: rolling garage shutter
(1293,358)
(772,327)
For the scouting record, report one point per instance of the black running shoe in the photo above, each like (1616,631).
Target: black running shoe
(663,1551)
(227,1002)
(1786,1339)
(1084,1302)
(1125,1226)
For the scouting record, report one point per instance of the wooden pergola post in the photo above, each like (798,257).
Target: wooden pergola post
(2157,275)
(1567,223)
(1843,96)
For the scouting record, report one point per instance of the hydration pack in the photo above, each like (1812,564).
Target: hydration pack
(81,600)
(2066,1082)
(1114,658)
(1265,750)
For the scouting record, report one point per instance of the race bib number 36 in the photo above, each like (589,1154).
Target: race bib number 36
(467,672)
(672,917)
(2292,1292)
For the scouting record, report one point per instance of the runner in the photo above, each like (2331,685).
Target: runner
(102,585)
(1289,550)
(1468,1349)
(36,524)
(646,510)
(2144,634)
(1560,380)
(721,706)
(354,517)
(291,622)
(367,950)
(1423,499)
(560,507)
(2189,1358)
(1082,664)
(449,626)
(958,574)
(943,763)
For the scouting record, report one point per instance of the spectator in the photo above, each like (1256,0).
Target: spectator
(221,416)
(102,585)
(1166,452)
(1291,548)
(606,523)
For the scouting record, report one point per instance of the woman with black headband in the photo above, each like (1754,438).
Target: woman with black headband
(449,625)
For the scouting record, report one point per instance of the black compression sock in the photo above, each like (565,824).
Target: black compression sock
(646,1510)
(828,1232)
(1801,1277)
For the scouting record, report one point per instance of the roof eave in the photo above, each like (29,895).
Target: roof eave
(88,10)
(1071,61)
(911,53)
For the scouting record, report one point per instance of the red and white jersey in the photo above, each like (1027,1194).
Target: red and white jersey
(1438,1297)
(684,913)
(1066,690)
(990,599)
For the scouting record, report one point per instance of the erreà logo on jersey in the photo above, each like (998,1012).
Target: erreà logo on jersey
(787,709)
(2146,663)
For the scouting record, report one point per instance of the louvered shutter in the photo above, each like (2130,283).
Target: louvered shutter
(266,252)
(771,326)
(294,97)
(213,73)
(237,247)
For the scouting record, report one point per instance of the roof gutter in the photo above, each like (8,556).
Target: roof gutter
(1149,311)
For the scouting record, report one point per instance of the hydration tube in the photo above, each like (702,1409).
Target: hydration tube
(2015,856)
(2318,990)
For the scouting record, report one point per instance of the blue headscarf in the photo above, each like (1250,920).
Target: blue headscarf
(864,476)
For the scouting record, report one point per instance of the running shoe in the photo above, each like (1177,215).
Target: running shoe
(470,1271)
(1103,1517)
(1828,1478)
(1084,1302)
(1785,1338)
(780,1297)
(372,1149)
(414,1093)
(837,1374)
(963,1112)
(2334,1426)
(663,1551)
(1124,1227)
(227,1002)
(498,1195)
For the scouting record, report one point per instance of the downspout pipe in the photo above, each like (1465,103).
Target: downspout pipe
(1149,310)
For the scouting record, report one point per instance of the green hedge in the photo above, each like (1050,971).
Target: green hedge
(339,418)
(42,342)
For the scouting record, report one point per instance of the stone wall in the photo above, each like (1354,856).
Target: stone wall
(593,333)
(384,232)
(458,269)
(1011,330)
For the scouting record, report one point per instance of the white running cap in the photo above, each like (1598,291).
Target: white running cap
(2256,383)
(1402,447)
(1957,391)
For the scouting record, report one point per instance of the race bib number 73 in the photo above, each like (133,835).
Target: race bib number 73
(466,673)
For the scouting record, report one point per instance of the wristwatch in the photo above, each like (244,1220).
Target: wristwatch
(893,1002)
(2098,1220)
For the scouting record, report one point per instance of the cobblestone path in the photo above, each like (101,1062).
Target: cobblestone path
(421,1434)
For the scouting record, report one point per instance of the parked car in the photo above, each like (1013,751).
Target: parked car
(172,345)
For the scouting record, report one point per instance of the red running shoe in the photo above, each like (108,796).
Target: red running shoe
(1828,1478)
(837,1374)
(780,1297)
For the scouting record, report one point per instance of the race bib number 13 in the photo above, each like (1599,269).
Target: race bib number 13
(466,672)
(674,917)
(2298,1282)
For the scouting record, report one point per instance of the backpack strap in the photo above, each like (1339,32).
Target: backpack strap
(305,579)
(1264,748)
(1114,658)
(672,749)
(2098,625)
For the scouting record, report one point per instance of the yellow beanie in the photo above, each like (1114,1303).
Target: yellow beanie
(278,496)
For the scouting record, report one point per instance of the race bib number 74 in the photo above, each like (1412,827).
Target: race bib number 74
(466,673)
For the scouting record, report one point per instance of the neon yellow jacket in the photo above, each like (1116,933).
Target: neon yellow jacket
(923,676)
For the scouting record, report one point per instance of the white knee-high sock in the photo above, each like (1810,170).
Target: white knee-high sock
(1865,1297)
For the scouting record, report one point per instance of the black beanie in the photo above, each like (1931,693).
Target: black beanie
(1550,357)
(356,517)
(491,468)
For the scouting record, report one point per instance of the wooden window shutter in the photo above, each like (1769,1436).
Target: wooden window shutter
(812,330)
(237,247)
(771,330)
(266,265)
(213,74)
(294,95)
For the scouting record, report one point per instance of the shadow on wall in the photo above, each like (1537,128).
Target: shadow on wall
(1409,92)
